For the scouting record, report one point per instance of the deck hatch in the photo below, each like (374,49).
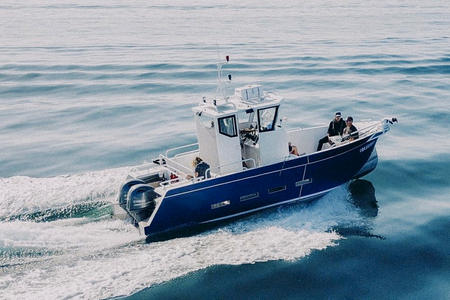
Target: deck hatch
(302,182)
(277,189)
(220,204)
(249,197)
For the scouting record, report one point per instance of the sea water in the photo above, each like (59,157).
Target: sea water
(89,89)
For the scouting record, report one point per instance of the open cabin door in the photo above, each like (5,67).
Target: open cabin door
(228,145)
(207,140)
(273,143)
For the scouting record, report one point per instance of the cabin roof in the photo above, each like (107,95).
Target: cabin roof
(236,102)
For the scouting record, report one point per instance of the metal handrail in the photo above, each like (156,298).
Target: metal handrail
(178,148)
(142,167)
(206,172)
(361,132)
(185,153)
(368,128)
(189,171)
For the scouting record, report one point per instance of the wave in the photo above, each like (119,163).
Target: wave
(186,82)
(43,199)
(70,211)
(241,64)
(111,255)
(38,90)
(416,173)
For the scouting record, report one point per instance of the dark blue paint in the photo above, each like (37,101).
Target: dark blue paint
(190,205)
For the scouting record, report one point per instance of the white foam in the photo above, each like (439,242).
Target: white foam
(134,268)
(98,260)
(69,234)
(23,195)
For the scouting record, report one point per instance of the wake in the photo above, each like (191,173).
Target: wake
(90,254)
(46,199)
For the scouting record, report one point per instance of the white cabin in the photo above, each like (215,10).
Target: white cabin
(242,130)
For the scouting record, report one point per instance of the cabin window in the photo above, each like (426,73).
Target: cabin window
(267,118)
(227,126)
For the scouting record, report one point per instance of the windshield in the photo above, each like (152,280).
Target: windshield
(267,118)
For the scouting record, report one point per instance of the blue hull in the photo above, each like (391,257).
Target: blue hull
(240,193)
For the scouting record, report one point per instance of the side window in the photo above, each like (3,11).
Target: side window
(267,118)
(227,126)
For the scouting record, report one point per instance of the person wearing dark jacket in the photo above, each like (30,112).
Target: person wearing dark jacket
(200,168)
(336,127)
(350,132)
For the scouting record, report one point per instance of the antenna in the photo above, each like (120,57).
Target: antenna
(220,87)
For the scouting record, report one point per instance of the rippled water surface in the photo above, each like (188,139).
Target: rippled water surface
(90,88)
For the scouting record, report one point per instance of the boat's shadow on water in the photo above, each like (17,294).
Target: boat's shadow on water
(362,196)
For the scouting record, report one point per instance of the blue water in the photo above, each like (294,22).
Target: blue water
(90,89)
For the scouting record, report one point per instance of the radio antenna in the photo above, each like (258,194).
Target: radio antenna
(220,87)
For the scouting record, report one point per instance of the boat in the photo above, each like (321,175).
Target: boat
(245,146)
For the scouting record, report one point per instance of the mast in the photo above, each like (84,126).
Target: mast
(220,85)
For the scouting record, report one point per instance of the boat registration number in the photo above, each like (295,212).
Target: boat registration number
(366,147)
